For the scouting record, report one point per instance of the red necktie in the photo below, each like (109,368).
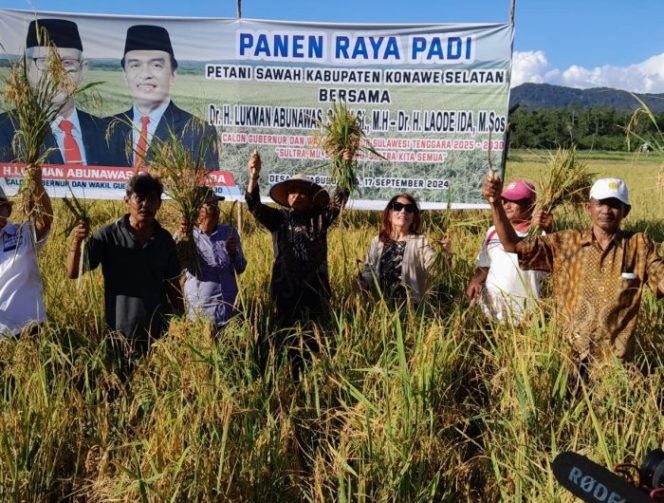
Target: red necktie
(72,152)
(142,146)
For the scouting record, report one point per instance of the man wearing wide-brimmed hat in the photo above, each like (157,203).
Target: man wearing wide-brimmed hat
(598,274)
(21,299)
(211,291)
(77,137)
(300,283)
(150,69)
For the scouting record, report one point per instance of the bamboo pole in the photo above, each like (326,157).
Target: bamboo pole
(239,8)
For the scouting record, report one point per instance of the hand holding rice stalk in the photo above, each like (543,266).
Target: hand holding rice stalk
(183,175)
(567,181)
(35,105)
(342,138)
(80,215)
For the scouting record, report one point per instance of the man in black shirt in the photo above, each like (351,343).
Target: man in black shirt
(139,264)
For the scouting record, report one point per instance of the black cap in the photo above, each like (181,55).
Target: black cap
(146,37)
(61,33)
(210,195)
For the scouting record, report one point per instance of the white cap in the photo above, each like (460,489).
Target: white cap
(610,188)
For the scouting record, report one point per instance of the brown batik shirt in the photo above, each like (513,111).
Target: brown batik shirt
(597,293)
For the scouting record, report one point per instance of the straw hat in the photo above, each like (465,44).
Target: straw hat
(279,191)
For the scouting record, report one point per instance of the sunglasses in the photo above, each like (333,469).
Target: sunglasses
(397,206)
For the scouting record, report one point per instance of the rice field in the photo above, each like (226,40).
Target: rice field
(429,405)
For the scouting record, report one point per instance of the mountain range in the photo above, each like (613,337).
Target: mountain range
(540,96)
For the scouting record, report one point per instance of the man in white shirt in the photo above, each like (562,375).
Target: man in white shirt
(509,292)
(21,299)
(76,136)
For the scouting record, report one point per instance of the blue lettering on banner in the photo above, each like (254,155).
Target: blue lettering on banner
(345,48)
(285,46)
(437,49)
(364,48)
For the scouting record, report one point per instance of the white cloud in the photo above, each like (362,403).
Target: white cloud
(529,66)
(644,77)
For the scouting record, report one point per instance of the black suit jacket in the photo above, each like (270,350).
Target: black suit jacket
(199,138)
(93,130)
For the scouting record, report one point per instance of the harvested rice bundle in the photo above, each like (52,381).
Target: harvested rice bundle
(567,181)
(183,177)
(35,105)
(342,138)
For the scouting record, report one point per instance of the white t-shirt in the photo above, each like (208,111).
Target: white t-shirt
(21,299)
(509,291)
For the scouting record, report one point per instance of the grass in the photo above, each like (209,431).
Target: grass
(430,405)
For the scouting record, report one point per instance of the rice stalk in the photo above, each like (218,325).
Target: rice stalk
(566,181)
(632,130)
(343,139)
(34,107)
(183,174)
(656,140)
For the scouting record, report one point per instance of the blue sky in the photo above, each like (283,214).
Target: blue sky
(578,43)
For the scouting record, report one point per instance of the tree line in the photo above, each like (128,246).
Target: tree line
(597,128)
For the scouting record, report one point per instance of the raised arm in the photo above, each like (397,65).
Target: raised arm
(492,189)
(337,203)
(269,217)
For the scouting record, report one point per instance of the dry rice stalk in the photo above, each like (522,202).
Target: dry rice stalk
(34,108)
(183,175)
(656,140)
(567,181)
(342,138)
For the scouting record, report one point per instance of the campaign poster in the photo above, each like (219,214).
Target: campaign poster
(431,98)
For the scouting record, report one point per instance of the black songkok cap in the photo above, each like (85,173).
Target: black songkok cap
(145,37)
(61,33)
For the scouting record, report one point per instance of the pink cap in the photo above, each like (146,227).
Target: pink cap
(518,190)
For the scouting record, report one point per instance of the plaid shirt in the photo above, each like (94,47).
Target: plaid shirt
(597,293)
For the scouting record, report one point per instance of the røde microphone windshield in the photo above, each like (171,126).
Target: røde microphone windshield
(592,482)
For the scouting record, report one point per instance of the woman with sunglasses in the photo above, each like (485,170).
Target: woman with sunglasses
(400,258)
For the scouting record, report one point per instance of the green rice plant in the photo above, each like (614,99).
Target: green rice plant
(425,405)
(655,140)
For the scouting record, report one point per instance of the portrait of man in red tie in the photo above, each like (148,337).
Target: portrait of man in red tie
(150,69)
(77,137)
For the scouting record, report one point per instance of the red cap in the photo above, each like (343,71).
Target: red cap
(518,190)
